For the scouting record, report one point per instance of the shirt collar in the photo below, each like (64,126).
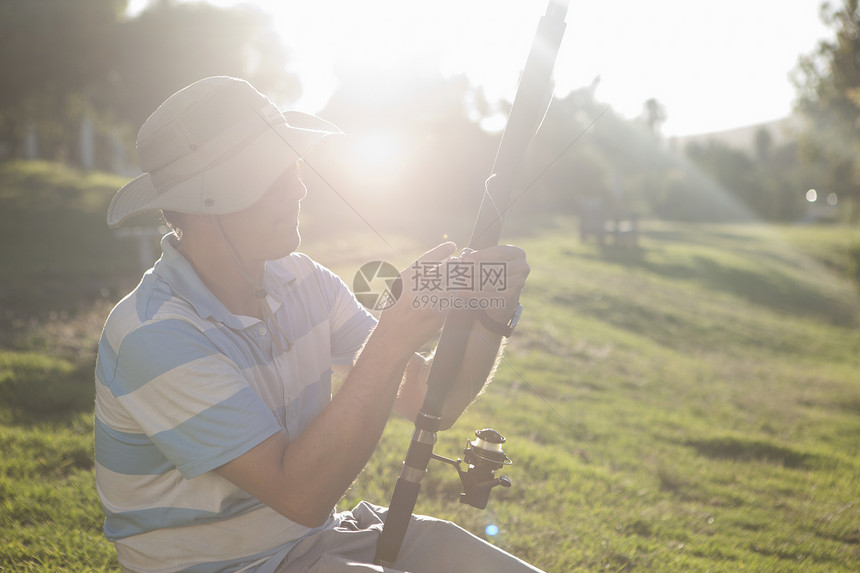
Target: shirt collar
(277,279)
(177,272)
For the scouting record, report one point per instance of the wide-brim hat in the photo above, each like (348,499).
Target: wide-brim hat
(214,147)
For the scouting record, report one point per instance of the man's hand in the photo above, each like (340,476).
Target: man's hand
(437,282)
(498,292)
(501,273)
(408,323)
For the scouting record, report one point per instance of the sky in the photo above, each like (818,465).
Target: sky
(713,65)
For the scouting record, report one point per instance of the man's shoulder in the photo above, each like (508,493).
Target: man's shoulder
(300,263)
(312,283)
(149,304)
(302,267)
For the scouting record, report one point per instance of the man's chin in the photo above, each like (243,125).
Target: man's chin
(287,246)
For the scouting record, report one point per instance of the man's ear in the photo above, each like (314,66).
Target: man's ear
(175,221)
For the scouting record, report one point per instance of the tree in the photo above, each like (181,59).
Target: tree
(67,64)
(413,160)
(654,114)
(51,50)
(828,86)
(172,44)
(763,145)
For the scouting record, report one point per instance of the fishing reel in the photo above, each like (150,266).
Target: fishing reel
(482,456)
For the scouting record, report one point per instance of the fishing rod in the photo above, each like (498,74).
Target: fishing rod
(485,454)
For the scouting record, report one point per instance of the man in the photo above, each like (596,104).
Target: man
(219,446)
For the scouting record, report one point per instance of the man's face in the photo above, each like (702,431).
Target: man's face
(269,229)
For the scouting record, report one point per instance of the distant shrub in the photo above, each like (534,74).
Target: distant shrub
(42,384)
(854,262)
(74,247)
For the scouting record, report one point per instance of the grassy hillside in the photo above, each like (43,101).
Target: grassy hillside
(690,405)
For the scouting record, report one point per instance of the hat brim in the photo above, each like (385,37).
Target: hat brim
(232,184)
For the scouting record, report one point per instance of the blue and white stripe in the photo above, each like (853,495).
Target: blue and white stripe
(183,386)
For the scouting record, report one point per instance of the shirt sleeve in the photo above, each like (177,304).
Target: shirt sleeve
(351,324)
(189,398)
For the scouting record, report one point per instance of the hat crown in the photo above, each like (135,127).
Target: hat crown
(214,148)
(191,117)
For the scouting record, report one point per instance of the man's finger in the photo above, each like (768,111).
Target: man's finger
(439,252)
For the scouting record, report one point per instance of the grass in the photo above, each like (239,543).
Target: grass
(690,405)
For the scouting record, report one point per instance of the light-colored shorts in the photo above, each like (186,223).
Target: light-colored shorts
(430,546)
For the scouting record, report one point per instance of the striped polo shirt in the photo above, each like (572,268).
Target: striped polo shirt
(184,386)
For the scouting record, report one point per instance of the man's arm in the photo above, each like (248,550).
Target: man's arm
(483,349)
(305,478)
